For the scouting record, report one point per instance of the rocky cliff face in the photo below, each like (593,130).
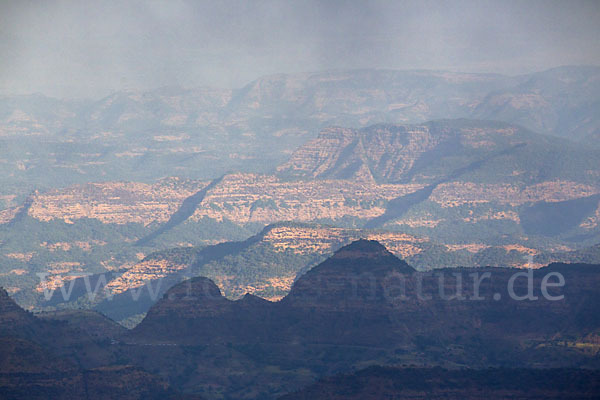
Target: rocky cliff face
(384,153)
(115,202)
(347,170)
(420,153)
(351,173)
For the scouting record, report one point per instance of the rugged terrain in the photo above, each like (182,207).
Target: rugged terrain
(265,265)
(441,193)
(363,306)
(67,356)
(463,193)
(204,132)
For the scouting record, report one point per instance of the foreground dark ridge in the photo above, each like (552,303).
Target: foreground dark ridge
(400,205)
(362,306)
(437,383)
(365,306)
(365,278)
(67,355)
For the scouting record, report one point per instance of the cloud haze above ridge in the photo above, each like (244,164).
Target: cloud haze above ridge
(89,49)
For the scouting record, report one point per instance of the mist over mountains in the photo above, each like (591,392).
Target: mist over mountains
(324,199)
(203,133)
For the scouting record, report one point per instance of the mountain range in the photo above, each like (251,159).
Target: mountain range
(365,306)
(137,195)
(205,132)
(467,193)
(267,264)
(361,307)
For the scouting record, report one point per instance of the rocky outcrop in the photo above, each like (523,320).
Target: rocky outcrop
(198,306)
(114,202)
(382,153)
(340,280)
(422,153)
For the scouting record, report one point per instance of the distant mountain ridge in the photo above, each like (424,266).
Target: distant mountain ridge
(426,152)
(558,100)
(206,132)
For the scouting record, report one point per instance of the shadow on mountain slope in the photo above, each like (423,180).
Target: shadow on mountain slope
(185,211)
(400,205)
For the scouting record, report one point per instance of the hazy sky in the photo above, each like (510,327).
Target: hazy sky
(90,48)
